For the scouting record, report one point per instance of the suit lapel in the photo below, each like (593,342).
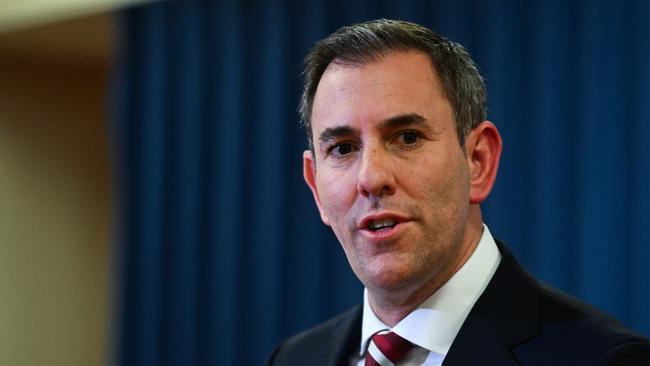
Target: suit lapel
(344,341)
(504,315)
(478,344)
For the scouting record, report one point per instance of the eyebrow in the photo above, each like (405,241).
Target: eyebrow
(404,120)
(401,120)
(333,133)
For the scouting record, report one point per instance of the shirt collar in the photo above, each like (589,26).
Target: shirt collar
(435,323)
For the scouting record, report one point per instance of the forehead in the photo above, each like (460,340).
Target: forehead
(399,83)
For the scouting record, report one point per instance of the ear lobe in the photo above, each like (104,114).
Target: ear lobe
(309,174)
(484,147)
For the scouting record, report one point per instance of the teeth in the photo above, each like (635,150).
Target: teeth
(382,223)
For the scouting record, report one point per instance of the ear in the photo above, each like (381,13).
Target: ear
(483,146)
(309,173)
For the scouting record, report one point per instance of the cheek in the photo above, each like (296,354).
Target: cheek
(451,199)
(337,201)
(422,177)
(445,186)
(337,194)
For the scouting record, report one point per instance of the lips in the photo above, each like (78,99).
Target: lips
(381,222)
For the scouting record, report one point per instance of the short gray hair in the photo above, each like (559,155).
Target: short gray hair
(366,42)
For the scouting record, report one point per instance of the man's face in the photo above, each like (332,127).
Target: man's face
(389,175)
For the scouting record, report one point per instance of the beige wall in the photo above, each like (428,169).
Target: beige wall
(54,194)
(20,14)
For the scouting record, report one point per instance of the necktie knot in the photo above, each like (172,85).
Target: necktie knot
(386,349)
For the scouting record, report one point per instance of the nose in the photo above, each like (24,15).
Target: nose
(376,175)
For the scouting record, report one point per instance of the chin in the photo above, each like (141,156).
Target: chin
(389,277)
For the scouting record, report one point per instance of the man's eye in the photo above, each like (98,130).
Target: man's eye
(408,138)
(342,149)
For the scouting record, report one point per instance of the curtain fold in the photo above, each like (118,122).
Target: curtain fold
(221,250)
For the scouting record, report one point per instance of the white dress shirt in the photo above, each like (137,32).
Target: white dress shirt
(433,325)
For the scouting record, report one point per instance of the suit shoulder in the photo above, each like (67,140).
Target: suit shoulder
(323,342)
(572,327)
(558,307)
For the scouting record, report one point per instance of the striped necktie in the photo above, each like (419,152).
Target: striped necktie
(386,349)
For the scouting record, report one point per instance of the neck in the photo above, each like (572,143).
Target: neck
(391,306)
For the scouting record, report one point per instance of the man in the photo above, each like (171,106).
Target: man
(400,157)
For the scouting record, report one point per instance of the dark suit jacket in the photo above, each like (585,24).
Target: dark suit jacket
(516,321)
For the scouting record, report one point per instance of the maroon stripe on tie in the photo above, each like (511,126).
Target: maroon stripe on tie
(370,361)
(392,346)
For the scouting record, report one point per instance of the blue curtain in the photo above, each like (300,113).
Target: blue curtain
(220,251)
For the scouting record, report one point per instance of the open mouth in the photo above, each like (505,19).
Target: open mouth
(381,224)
